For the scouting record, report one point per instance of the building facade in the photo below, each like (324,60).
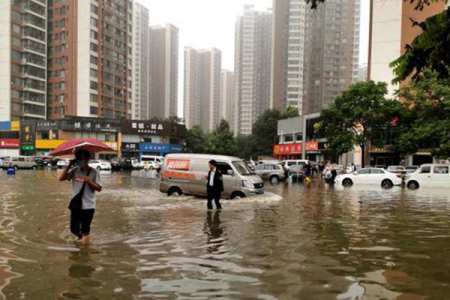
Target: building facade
(315,53)
(226,94)
(202,88)
(140,71)
(90,62)
(164,45)
(23,51)
(252,68)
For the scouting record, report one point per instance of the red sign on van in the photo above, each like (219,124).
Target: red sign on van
(9,143)
(178,164)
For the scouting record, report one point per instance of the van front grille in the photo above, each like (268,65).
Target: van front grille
(259,185)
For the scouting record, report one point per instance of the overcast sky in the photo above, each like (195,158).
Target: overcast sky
(210,23)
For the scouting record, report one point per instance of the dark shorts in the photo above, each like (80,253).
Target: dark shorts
(80,221)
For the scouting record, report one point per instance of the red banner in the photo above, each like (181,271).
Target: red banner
(178,164)
(9,143)
(296,148)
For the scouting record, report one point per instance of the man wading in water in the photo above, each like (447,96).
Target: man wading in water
(82,175)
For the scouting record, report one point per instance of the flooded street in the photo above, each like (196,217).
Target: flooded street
(294,242)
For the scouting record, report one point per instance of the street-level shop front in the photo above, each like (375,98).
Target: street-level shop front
(159,149)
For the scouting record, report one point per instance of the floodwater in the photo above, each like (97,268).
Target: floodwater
(294,242)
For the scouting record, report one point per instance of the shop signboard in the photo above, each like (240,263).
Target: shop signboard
(46,125)
(112,145)
(158,128)
(160,148)
(27,137)
(9,143)
(89,125)
(295,148)
(130,147)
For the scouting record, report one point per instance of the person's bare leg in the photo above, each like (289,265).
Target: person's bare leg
(86,240)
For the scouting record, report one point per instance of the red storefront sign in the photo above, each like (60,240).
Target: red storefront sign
(294,148)
(9,143)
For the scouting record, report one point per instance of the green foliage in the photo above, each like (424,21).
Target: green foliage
(221,140)
(420,4)
(426,116)
(361,113)
(290,112)
(245,145)
(264,131)
(196,140)
(428,51)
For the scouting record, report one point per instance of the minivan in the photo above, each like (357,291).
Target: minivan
(429,175)
(292,162)
(186,174)
(19,162)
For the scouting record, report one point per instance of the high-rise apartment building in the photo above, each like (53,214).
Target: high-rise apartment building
(23,49)
(202,88)
(315,53)
(163,102)
(252,68)
(390,31)
(140,71)
(89,58)
(226,94)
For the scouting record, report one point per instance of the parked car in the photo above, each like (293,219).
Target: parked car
(397,169)
(63,162)
(100,165)
(136,164)
(186,174)
(374,176)
(123,163)
(273,172)
(411,169)
(18,162)
(292,162)
(429,175)
(381,167)
(150,160)
(296,172)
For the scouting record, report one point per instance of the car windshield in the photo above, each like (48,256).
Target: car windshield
(242,168)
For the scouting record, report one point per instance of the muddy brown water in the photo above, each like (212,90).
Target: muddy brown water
(294,242)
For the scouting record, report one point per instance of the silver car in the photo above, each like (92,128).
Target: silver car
(186,174)
(273,172)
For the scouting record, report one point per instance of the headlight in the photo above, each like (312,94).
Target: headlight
(247,184)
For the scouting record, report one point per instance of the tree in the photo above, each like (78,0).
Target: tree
(428,51)
(359,115)
(290,112)
(221,140)
(265,132)
(245,145)
(420,4)
(196,140)
(427,114)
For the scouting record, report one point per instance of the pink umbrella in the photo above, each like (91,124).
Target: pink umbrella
(69,147)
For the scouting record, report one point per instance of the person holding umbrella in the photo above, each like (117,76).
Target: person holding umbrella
(85,182)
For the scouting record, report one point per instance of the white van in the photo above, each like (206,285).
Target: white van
(18,162)
(150,161)
(185,174)
(293,162)
(429,175)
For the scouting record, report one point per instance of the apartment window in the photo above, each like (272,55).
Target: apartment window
(94,73)
(93,110)
(16,28)
(94,22)
(94,9)
(94,60)
(94,35)
(94,47)
(94,85)
(94,98)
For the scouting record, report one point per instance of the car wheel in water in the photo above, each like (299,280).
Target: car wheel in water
(237,196)
(274,179)
(387,184)
(413,185)
(174,192)
(347,182)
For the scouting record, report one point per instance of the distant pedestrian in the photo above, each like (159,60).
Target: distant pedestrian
(308,172)
(85,182)
(214,185)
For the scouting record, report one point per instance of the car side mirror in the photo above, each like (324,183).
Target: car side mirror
(230,172)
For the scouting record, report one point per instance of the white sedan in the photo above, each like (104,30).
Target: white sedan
(63,162)
(374,176)
(100,165)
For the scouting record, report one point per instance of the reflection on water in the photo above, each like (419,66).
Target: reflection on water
(294,242)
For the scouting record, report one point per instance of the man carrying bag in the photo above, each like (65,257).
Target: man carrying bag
(85,182)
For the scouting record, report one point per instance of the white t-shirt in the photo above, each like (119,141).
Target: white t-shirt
(211,179)
(89,196)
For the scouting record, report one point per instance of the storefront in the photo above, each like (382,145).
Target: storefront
(383,157)
(9,138)
(130,150)
(159,149)
(44,147)
(295,150)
